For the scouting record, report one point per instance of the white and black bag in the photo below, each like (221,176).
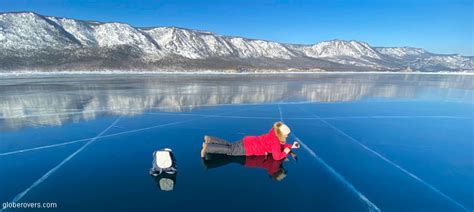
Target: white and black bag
(163,161)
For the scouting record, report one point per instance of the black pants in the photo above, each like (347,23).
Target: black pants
(221,146)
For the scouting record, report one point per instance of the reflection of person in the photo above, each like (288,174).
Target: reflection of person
(274,142)
(273,167)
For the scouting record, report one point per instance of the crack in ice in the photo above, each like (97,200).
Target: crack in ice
(388,161)
(371,206)
(104,136)
(53,170)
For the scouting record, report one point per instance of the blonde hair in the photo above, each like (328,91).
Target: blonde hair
(278,133)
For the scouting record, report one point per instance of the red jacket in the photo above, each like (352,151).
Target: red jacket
(266,143)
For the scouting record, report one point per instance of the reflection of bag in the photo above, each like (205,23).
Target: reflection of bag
(165,181)
(163,161)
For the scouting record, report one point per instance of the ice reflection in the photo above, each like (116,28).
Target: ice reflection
(55,100)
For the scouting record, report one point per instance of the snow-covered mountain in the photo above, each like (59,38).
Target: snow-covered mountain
(29,41)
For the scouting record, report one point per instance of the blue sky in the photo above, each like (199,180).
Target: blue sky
(440,26)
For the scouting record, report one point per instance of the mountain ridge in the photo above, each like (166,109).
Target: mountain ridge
(30,41)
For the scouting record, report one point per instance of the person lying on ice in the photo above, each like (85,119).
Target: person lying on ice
(274,143)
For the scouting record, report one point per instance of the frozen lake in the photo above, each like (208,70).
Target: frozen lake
(370,142)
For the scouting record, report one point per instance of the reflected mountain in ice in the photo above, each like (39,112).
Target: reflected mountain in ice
(54,100)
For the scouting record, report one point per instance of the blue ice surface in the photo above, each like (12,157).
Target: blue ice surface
(372,142)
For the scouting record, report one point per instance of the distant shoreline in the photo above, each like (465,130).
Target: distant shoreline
(29,73)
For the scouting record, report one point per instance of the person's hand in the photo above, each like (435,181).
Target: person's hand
(295,145)
(287,150)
